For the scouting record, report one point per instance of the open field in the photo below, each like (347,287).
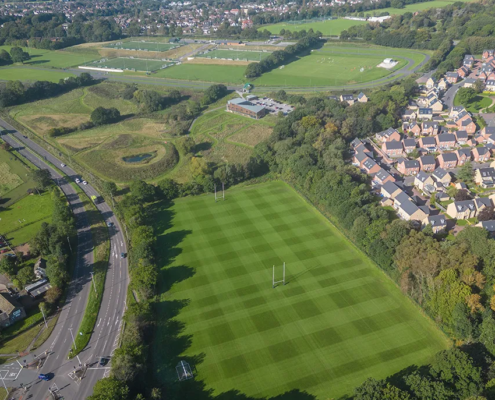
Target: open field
(206,73)
(55,58)
(23,219)
(142,45)
(328,28)
(32,74)
(138,64)
(14,179)
(235,55)
(337,321)
(323,69)
(412,7)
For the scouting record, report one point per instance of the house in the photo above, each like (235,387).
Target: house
(425,113)
(452,77)
(412,105)
(431,83)
(356,143)
(438,222)
(436,106)
(468,125)
(390,190)
(406,209)
(428,143)
(481,203)
(464,209)
(447,160)
(347,98)
(488,54)
(488,131)
(480,154)
(461,137)
(408,115)
(429,128)
(409,145)
(488,226)
(370,166)
(388,135)
(463,71)
(443,84)
(412,127)
(393,148)
(246,108)
(490,85)
(362,98)
(440,175)
(408,167)
(38,288)
(10,310)
(463,155)
(40,268)
(468,61)
(427,163)
(468,82)
(456,110)
(382,177)
(446,141)
(422,179)
(485,177)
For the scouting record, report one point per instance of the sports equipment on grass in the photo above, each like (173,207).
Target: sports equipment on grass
(184,371)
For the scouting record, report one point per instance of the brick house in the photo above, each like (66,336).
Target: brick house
(408,167)
(463,71)
(370,166)
(390,190)
(452,77)
(409,145)
(468,61)
(427,163)
(10,310)
(461,137)
(487,54)
(429,128)
(480,154)
(388,135)
(488,131)
(467,125)
(446,141)
(463,155)
(455,111)
(425,113)
(246,108)
(447,160)
(490,85)
(485,177)
(462,209)
(382,177)
(440,175)
(428,143)
(412,127)
(393,148)
(359,158)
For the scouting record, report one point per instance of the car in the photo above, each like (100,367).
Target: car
(103,361)
(109,224)
(44,377)
(85,183)
(122,255)
(62,165)
(78,180)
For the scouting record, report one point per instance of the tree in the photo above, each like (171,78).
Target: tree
(199,166)
(461,195)
(487,331)
(465,173)
(102,116)
(156,394)
(213,93)
(185,144)
(25,276)
(466,95)
(5,58)
(486,214)
(41,178)
(142,191)
(18,55)
(8,266)
(110,389)
(169,188)
(479,86)
(462,327)
(6,146)
(109,188)
(53,294)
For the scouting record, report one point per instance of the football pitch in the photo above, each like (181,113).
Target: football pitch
(150,46)
(337,321)
(138,64)
(236,55)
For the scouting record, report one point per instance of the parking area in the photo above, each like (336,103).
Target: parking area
(273,106)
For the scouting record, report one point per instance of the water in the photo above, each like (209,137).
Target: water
(137,158)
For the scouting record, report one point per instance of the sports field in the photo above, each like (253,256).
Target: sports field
(236,55)
(337,321)
(413,7)
(328,28)
(15,178)
(324,69)
(206,73)
(55,58)
(32,74)
(142,45)
(138,64)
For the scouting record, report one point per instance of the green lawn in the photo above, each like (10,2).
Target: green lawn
(338,321)
(328,28)
(23,219)
(413,7)
(14,178)
(142,45)
(55,58)
(476,105)
(235,54)
(327,69)
(138,64)
(30,74)
(207,73)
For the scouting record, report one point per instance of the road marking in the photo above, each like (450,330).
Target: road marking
(98,323)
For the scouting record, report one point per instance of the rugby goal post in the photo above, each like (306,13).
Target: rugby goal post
(219,196)
(184,371)
(274,282)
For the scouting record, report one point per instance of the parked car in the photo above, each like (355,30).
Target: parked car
(62,165)
(78,180)
(85,183)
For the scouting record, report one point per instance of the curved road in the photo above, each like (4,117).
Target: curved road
(105,337)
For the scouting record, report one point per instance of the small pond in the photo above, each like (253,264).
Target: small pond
(137,158)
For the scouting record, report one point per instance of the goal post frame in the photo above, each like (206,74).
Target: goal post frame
(274,282)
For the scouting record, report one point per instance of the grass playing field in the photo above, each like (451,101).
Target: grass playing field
(31,74)
(142,45)
(328,28)
(206,73)
(413,7)
(15,178)
(337,321)
(137,64)
(324,69)
(235,55)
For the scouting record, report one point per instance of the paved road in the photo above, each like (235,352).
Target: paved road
(105,337)
(448,97)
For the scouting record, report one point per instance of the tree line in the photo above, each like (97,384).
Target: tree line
(281,57)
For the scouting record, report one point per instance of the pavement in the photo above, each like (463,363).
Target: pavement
(449,95)
(70,378)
